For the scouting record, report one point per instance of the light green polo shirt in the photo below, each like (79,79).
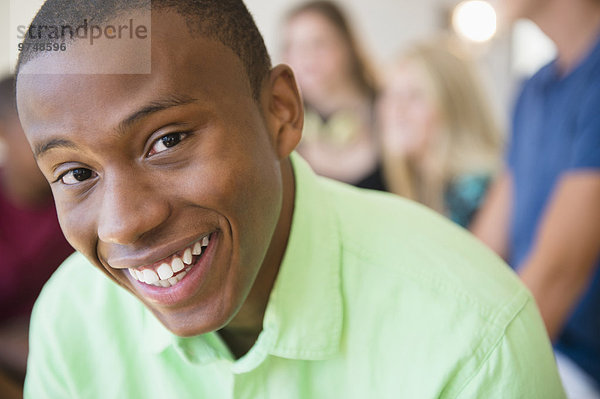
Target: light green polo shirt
(377,297)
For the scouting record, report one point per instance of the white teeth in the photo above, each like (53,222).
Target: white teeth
(187,256)
(175,279)
(164,275)
(133,274)
(197,250)
(150,276)
(139,275)
(177,265)
(164,271)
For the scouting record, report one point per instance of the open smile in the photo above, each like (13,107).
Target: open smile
(169,271)
(176,277)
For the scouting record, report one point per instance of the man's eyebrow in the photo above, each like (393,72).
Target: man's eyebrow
(45,146)
(155,106)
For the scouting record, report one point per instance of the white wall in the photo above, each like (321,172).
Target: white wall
(4,36)
(14,13)
(384,28)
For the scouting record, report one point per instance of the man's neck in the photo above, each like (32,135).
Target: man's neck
(241,333)
(573,26)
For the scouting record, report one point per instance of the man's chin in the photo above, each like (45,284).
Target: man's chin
(192,325)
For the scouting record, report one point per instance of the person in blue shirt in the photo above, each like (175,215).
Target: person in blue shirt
(543,213)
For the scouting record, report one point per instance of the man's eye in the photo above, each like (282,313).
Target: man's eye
(75,176)
(167,141)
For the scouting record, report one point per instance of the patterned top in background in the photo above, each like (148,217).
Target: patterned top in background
(464,196)
(340,129)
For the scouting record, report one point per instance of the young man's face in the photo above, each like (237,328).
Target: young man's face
(173,176)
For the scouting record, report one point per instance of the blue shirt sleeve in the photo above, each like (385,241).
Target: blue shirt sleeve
(463,197)
(586,148)
(512,145)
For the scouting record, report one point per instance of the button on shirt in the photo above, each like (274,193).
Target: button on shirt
(376,297)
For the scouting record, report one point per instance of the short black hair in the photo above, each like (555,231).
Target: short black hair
(227,21)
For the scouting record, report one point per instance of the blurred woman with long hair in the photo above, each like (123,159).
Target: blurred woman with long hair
(339,92)
(440,140)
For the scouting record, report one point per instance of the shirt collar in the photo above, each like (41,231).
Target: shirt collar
(303,319)
(305,309)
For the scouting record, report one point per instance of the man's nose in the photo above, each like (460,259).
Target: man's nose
(130,208)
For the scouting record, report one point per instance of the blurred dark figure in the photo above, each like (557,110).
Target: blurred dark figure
(31,242)
(543,214)
(339,92)
(441,142)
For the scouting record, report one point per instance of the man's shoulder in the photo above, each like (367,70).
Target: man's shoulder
(399,244)
(420,286)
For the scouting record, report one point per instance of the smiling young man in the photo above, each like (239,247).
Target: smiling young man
(250,277)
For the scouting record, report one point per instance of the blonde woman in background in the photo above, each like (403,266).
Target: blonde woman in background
(440,141)
(339,92)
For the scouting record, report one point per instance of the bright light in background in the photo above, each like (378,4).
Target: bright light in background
(474,20)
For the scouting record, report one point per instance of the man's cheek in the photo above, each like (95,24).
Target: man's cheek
(77,228)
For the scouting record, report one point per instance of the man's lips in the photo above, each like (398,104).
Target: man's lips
(151,255)
(165,272)
(164,281)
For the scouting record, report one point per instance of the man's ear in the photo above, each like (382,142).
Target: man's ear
(283,110)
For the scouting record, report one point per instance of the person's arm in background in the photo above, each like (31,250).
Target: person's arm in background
(492,222)
(567,247)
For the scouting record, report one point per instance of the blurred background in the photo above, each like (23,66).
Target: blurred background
(409,96)
(384,28)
